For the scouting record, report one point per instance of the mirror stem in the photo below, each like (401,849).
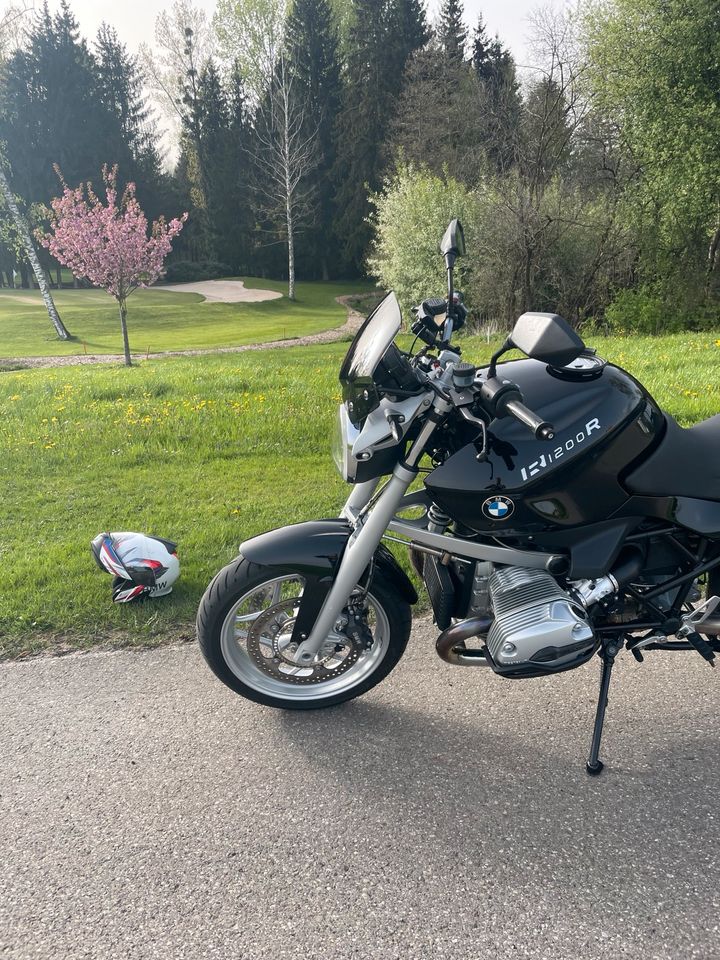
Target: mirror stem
(450,263)
(508,345)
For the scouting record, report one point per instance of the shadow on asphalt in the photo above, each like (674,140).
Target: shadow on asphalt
(511,797)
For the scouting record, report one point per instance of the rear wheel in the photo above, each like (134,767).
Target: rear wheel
(245,625)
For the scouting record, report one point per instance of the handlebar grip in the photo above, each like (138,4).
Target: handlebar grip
(541,428)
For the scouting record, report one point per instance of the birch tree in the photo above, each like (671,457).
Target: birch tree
(252,34)
(9,25)
(285,154)
(23,232)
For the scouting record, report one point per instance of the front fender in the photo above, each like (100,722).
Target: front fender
(314,549)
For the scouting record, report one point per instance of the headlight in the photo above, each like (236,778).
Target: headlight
(345,436)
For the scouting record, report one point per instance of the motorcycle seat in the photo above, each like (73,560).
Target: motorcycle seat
(686,464)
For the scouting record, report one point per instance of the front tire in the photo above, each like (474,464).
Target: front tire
(255,664)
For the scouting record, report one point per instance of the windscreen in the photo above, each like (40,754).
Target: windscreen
(372,340)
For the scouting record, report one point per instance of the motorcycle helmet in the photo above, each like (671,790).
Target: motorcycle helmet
(141,566)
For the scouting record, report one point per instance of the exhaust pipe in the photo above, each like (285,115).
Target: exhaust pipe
(450,644)
(710,627)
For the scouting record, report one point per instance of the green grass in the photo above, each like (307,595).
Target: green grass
(208,451)
(161,320)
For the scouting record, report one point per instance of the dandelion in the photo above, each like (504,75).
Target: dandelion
(14,398)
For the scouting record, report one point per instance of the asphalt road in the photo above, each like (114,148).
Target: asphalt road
(148,812)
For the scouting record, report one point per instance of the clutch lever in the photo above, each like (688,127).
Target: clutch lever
(481,446)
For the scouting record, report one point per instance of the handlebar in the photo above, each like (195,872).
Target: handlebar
(502,398)
(541,428)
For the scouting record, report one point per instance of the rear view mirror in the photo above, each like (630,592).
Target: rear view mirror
(548,338)
(453,242)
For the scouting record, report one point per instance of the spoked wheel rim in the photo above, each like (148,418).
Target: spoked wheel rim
(256,645)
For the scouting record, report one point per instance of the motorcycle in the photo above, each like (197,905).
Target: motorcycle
(551,508)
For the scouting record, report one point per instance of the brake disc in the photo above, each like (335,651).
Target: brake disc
(269,644)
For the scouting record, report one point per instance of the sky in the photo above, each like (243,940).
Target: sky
(134,20)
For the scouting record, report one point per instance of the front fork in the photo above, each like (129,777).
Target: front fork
(369,529)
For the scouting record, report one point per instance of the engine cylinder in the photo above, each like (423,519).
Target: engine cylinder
(538,628)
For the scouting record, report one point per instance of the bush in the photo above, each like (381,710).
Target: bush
(189,271)
(411,216)
(648,311)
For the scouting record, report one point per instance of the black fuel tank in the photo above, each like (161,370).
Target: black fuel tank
(602,427)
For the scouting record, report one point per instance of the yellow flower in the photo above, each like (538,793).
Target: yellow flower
(14,397)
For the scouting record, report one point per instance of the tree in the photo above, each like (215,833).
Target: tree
(381,39)
(8,23)
(23,232)
(285,148)
(438,123)
(251,34)
(108,244)
(500,103)
(50,108)
(11,27)
(411,215)
(451,32)
(285,155)
(314,61)
(172,60)
(655,73)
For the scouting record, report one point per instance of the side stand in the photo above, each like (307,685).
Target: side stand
(594,766)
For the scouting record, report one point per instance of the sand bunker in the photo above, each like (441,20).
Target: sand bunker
(223,291)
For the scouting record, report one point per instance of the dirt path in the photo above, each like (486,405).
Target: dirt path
(350,327)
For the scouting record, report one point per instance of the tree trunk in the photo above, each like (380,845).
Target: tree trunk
(712,259)
(123,326)
(24,234)
(291,249)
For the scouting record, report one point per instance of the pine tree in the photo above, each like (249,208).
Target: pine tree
(451,31)
(136,148)
(481,51)
(408,28)
(49,109)
(119,86)
(314,59)
(382,37)
(240,220)
(213,135)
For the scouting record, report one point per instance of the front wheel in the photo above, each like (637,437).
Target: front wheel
(245,624)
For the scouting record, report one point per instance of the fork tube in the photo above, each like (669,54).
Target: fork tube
(359,497)
(364,540)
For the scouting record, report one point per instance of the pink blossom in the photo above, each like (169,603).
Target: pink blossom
(108,244)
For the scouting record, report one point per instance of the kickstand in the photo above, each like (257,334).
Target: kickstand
(594,766)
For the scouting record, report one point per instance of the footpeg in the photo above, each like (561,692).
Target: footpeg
(691,621)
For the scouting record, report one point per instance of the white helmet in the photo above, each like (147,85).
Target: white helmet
(141,566)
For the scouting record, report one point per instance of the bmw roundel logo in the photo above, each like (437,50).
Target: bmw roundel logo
(498,508)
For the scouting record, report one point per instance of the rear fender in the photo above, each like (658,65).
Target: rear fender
(314,549)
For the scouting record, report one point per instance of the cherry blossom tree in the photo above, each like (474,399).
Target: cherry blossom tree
(107,242)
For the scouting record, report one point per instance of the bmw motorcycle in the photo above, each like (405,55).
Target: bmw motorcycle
(552,509)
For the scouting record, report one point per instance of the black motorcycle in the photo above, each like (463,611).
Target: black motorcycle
(561,514)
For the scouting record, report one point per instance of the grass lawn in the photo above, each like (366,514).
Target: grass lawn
(163,320)
(205,450)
